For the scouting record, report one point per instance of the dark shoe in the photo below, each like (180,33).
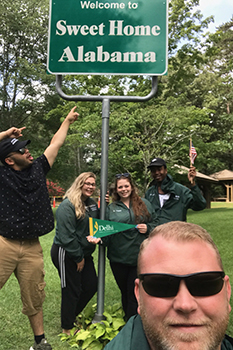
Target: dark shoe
(43,345)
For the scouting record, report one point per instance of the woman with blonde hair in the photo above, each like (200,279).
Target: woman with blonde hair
(71,253)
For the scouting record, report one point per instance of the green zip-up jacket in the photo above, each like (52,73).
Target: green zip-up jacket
(71,232)
(123,247)
(132,337)
(181,199)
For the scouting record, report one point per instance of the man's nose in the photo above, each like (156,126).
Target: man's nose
(184,301)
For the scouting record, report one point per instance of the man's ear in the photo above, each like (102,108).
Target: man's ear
(136,292)
(9,161)
(228,291)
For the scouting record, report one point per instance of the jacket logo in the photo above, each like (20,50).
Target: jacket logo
(91,207)
(177,197)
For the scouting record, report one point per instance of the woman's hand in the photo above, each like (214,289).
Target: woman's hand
(80,265)
(142,228)
(107,197)
(93,240)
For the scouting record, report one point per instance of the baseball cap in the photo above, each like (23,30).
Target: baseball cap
(157,162)
(11,145)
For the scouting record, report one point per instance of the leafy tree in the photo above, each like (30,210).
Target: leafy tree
(216,92)
(23,37)
(194,99)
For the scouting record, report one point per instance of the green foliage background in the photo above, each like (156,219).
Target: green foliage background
(194,98)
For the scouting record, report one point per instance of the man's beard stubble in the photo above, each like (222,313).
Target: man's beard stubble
(164,339)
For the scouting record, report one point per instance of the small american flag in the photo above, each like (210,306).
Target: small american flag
(192,153)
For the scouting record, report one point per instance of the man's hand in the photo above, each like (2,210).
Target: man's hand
(12,132)
(192,174)
(72,116)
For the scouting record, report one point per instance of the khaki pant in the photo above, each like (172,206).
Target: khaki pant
(25,259)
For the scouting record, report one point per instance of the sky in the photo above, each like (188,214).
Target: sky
(222,10)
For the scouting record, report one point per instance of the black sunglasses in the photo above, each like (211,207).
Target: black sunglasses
(201,284)
(21,150)
(118,176)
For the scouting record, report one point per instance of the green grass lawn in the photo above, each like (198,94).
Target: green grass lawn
(15,330)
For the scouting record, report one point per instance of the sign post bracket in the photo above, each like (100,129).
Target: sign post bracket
(154,88)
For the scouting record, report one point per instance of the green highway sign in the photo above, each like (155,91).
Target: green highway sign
(108,37)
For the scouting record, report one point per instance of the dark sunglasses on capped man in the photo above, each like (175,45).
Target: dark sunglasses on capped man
(118,176)
(201,284)
(21,151)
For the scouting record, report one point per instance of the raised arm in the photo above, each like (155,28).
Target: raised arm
(60,136)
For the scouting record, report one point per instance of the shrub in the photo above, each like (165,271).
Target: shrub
(95,336)
(54,189)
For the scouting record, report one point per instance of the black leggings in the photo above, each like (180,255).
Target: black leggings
(77,288)
(125,276)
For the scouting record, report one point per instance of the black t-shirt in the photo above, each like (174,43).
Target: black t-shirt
(25,210)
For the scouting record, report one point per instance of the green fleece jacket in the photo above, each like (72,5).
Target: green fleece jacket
(123,247)
(132,337)
(71,232)
(181,199)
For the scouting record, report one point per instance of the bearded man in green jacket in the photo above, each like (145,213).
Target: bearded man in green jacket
(169,199)
(182,291)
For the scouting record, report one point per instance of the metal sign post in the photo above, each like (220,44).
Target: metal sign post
(107,37)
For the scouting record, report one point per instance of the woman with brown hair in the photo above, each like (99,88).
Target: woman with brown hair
(123,247)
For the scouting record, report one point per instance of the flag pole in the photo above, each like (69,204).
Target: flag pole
(190,155)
